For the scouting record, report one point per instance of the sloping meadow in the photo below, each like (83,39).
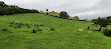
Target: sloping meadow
(16,32)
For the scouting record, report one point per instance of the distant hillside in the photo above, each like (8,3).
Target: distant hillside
(12,9)
(56,14)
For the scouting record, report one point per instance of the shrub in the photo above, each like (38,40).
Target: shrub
(102,22)
(12,22)
(64,15)
(107,33)
(42,25)
(34,31)
(52,29)
(55,16)
(15,27)
(28,26)
(4,29)
(11,25)
(35,25)
(76,17)
(39,29)
(19,26)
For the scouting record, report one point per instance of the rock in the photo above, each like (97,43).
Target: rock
(81,30)
(85,35)
(89,32)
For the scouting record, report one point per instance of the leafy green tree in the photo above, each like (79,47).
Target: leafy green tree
(95,21)
(2,4)
(76,17)
(102,22)
(64,15)
(109,18)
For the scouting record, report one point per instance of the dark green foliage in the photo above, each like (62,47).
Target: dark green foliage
(107,33)
(64,15)
(52,11)
(34,31)
(102,22)
(19,25)
(11,25)
(95,21)
(55,16)
(39,29)
(52,29)
(42,25)
(76,17)
(35,25)
(109,18)
(12,9)
(4,29)
(2,4)
(39,25)
(28,26)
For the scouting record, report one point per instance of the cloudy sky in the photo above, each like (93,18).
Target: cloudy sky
(83,8)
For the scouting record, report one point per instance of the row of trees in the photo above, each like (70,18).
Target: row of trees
(103,22)
(12,9)
(63,14)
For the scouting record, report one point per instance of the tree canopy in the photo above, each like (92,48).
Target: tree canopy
(102,22)
(64,15)
(12,9)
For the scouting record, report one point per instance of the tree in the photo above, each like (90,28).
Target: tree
(76,17)
(102,22)
(109,18)
(2,4)
(95,22)
(47,11)
(64,15)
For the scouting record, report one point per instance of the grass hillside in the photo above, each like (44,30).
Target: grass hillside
(54,33)
(56,14)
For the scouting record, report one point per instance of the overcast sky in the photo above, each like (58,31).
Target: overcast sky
(83,8)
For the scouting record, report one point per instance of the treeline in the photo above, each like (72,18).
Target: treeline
(103,22)
(12,9)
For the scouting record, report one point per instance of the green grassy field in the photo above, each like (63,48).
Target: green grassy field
(65,33)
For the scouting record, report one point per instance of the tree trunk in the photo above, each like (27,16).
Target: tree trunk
(96,25)
(100,28)
(106,28)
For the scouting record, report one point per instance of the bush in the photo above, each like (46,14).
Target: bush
(52,29)
(39,29)
(64,15)
(19,25)
(11,25)
(107,33)
(28,26)
(34,31)
(4,29)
